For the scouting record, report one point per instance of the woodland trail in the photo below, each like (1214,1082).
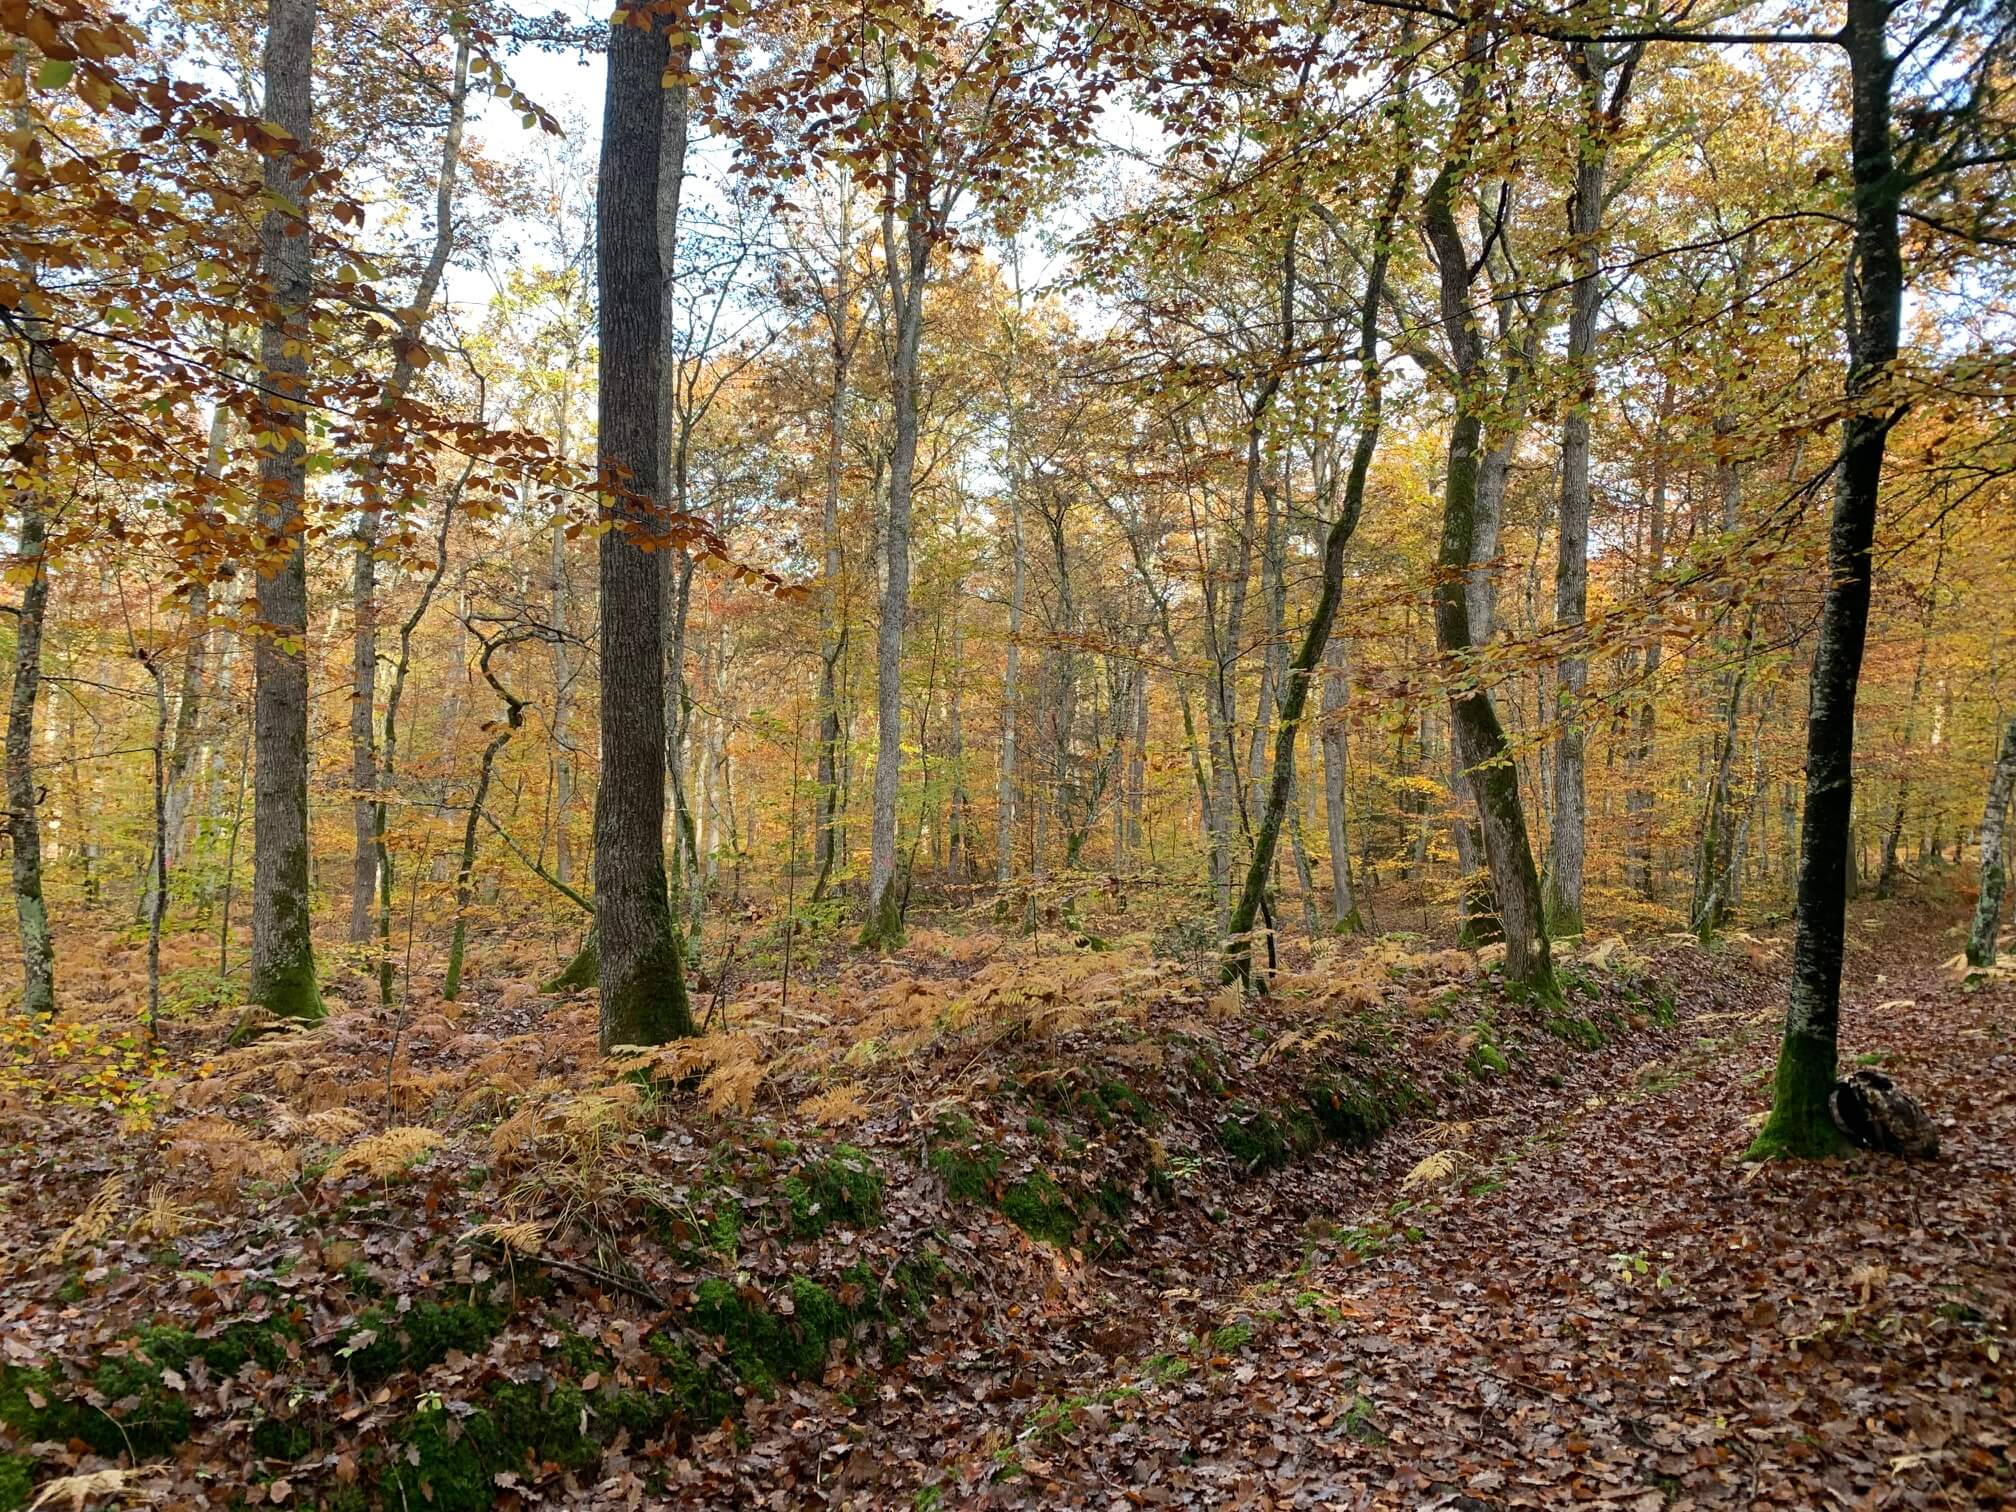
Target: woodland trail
(1614,1311)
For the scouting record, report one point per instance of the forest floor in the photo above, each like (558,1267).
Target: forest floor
(1018,1222)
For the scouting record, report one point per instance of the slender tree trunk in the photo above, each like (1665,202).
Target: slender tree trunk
(1302,669)
(642,975)
(283,951)
(832,625)
(1345,917)
(1479,740)
(906,264)
(1567,848)
(364,558)
(1981,935)
(1639,806)
(1800,1123)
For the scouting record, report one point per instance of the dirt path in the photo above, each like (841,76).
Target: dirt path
(1612,1310)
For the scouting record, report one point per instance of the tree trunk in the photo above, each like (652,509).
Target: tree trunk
(1994,873)
(642,967)
(364,560)
(1800,1123)
(1480,744)
(1639,807)
(1302,670)
(1344,913)
(283,951)
(906,266)
(1566,850)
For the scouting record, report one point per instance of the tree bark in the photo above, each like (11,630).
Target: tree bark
(1302,669)
(1994,873)
(1482,750)
(1800,1123)
(283,951)
(906,262)
(642,969)
(1345,917)
(1566,851)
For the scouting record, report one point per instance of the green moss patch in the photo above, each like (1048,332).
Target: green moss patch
(765,1346)
(1355,1110)
(1262,1139)
(134,1400)
(385,1341)
(842,1188)
(17,1481)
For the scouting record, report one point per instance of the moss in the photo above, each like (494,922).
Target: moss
(418,1338)
(1261,1141)
(1356,1110)
(647,1003)
(140,1412)
(1036,1206)
(287,1439)
(844,1187)
(17,1481)
(1801,1127)
(580,973)
(1576,1030)
(1486,1059)
(969,1173)
(696,1391)
(765,1347)
(1231,1336)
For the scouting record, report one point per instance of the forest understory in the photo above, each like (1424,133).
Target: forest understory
(1005,1220)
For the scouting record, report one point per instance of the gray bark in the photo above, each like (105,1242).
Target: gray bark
(283,952)
(1981,935)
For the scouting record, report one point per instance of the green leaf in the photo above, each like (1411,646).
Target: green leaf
(55,73)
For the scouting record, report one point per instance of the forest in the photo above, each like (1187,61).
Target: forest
(1224,753)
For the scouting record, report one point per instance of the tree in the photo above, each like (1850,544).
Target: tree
(1981,936)
(642,966)
(283,950)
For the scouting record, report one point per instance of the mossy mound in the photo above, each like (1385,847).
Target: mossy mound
(17,1481)
(1035,1204)
(127,1404)
(844,1187)
(385,1341)
(1355,1110)
(1264,1139)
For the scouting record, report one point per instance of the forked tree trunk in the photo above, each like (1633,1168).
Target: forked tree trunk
(364,557)
(1302,670)
(642,968)
(906,260)
(1481,748)
(1569,819)
(283,951)
(1800,1123)
(1994,872)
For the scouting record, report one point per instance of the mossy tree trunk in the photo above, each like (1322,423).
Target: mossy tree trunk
(1302,670)
(1994,872)
(1800,1123)
(283,951)
(1481,749)
(642,972)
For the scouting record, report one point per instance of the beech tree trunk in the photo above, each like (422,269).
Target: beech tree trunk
(1800,1123)
(1482,750)
(283,951)
(642,968)
(1994,872)
(906,261)
(364,559)
(1345,917)
(1302,669)
(1566,852)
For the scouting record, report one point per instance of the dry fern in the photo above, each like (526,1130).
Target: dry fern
(92,1222)
(1436,1169)
(384,1154)
(163,1217)
(81,1488)
(843,1104)
(524,1238)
